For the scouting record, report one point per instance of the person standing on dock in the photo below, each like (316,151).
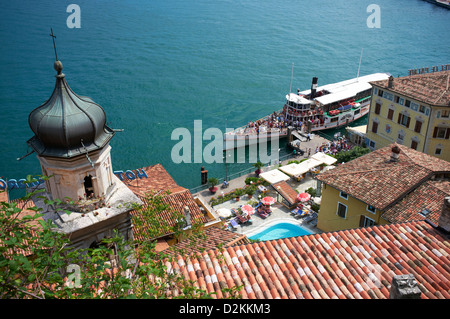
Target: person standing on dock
(308,137)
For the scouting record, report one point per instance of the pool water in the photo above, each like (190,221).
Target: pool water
(281,230)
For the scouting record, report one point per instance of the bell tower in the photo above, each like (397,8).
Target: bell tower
(71,140)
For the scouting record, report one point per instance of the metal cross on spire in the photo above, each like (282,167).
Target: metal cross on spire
(54,45)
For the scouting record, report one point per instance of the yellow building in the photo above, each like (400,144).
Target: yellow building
(413,111)
(392,184)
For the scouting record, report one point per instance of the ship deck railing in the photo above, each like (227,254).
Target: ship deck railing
(252,131)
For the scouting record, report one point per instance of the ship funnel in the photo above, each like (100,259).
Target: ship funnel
(313,88)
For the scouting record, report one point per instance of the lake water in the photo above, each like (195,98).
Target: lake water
(155,66)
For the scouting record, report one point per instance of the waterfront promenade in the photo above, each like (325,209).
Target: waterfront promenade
(279,212)
(239,182)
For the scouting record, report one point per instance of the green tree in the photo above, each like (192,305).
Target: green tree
(355,152)
(258,166)
(37,262)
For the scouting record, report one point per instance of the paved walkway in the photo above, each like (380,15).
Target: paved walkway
(279,212)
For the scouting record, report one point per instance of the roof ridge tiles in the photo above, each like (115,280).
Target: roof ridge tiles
(357,263)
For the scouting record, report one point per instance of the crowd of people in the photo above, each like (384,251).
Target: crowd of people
(273,121)
(338,144)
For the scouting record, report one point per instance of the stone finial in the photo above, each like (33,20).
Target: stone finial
(404,287)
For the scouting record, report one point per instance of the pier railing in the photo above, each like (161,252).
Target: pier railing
(247,171)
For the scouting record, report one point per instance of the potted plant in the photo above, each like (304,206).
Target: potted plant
(213,182)
(238,193)
(258,166)
(250,190)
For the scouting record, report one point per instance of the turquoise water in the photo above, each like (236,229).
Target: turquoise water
(281,230)
(159,65)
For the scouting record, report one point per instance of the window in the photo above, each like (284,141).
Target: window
(414,106)
(377,108)
(407,103)
(342,210)
(372,144)
(371,209)
(425,212)
(400,137)
(445,113)
(374,127)
(380,92)
(89,190)
(422,109)
(438,151)
(414,145)
(418,126)
(365,221)
(396,98)
(388,96)
(441,132)
(404,120)
(390,114)
(343,195)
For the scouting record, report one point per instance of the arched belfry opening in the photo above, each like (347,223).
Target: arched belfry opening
(88,186)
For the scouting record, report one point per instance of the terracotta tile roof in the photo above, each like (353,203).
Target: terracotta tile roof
(158,179)
(3,196)
(177,201)
(430,88)
(210,238)
(286,191)
(35,225)
(430,195)
(355,263)
(375,180)
(25,206)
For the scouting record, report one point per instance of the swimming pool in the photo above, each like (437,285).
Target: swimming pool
(281,230)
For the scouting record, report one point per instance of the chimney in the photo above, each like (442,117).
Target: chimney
(391,82)
(313,87)
(444,219)
(404,287)
(395,153)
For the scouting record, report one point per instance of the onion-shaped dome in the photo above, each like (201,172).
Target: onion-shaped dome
(68,125)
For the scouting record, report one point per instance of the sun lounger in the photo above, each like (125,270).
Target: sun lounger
(311,217)
(262,214)
(234,223)
(300,213)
